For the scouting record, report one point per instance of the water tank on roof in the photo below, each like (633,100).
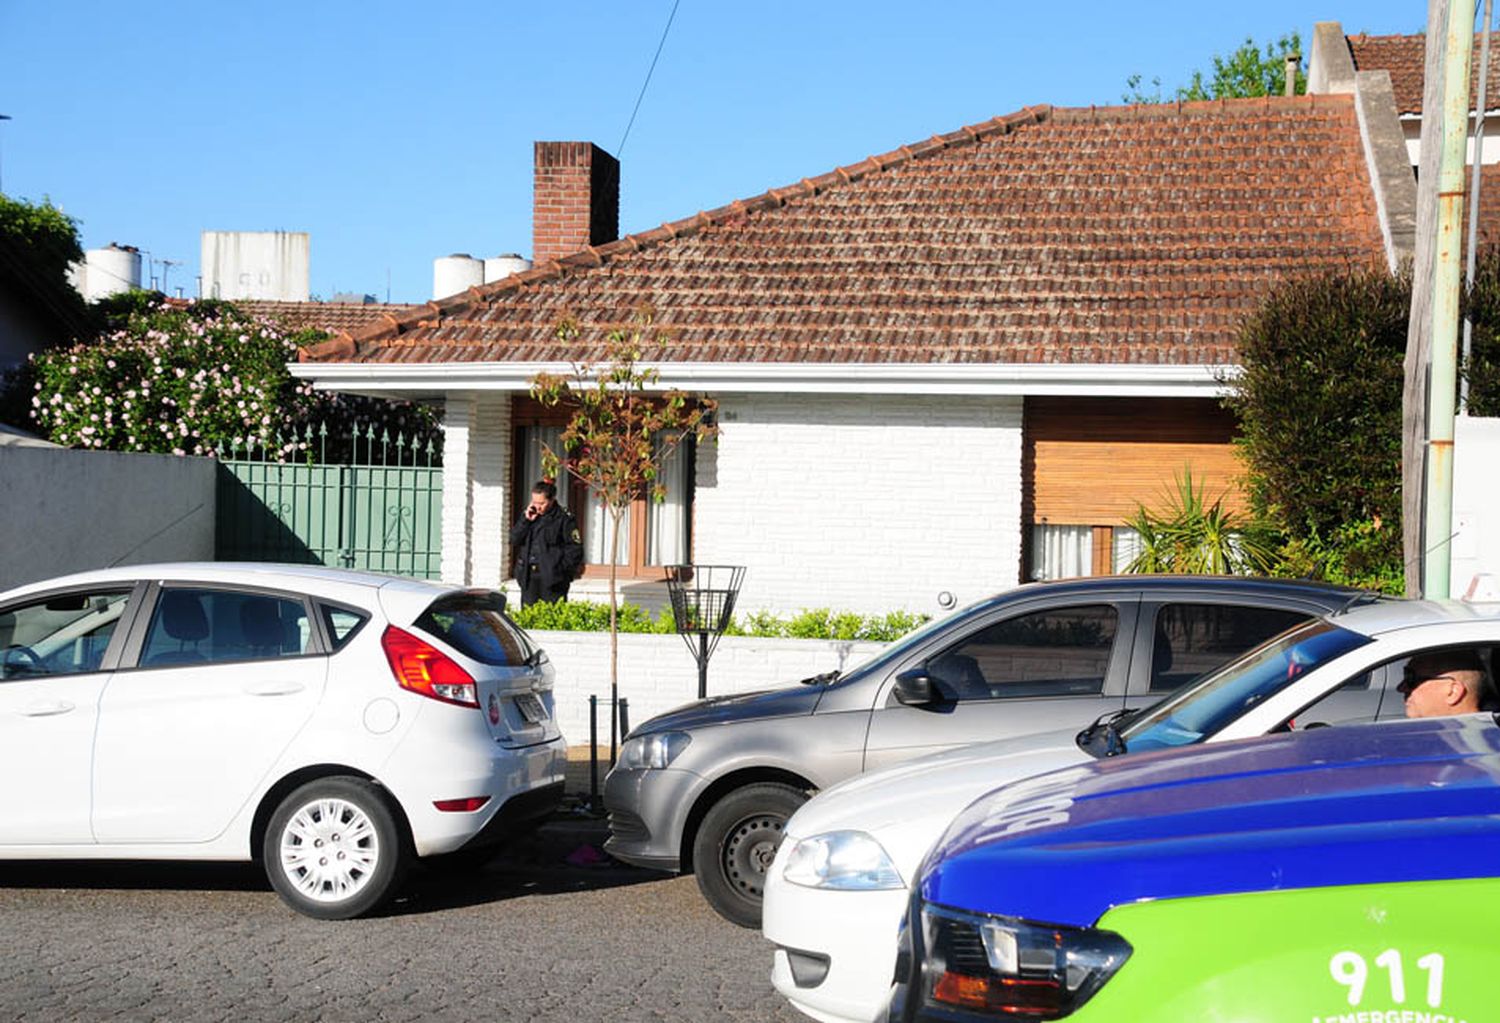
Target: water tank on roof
(455,273)
(110,270)
(497,267)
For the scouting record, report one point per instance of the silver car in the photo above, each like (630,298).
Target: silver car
(709,786)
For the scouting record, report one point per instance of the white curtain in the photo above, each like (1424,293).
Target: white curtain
(596,533)
(1061,552)
(1124,548)
(667,522)
(532,439)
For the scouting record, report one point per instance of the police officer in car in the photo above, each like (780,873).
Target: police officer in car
(1437,683)
(547,546)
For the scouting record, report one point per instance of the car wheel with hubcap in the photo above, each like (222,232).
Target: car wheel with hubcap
(333,849)
(735,845)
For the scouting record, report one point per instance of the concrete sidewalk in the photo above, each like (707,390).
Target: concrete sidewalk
(576,779)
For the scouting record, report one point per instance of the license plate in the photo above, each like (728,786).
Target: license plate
(531,708)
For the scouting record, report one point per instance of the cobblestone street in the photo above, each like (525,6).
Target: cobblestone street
(529,937)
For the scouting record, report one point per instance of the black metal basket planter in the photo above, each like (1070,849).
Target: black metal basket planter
(703,599)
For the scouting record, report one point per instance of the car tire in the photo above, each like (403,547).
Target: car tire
(735,844)
(334,850)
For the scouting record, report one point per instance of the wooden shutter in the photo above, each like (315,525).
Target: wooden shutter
(1091,461)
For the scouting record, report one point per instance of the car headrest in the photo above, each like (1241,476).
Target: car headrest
(182,616)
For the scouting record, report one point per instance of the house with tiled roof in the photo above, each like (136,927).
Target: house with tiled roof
(940,370)
(1337,58)
(1338,61)
(332,317)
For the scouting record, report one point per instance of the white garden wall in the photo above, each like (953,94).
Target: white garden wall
(1476,500)
(860,503)
(658,673)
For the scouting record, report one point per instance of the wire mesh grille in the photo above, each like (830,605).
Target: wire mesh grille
(703,596)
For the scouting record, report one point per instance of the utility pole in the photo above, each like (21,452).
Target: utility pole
(1426,429)
(1443,386)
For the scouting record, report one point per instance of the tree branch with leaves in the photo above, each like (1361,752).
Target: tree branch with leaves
(622,431)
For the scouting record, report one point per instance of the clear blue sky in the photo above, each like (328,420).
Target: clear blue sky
(397,132)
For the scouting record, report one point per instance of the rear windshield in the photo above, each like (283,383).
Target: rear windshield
(474,625)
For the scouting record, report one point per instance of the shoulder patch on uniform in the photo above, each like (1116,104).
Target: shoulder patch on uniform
(576,537)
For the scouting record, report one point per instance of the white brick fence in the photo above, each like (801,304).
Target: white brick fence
(658,673)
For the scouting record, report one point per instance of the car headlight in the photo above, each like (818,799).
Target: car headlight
(846,861)
(656,750)
(1011,968)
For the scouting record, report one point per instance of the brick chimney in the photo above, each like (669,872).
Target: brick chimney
(575,199)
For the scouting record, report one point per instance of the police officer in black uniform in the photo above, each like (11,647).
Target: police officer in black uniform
(547,546)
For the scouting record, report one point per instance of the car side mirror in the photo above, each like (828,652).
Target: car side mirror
(916,688)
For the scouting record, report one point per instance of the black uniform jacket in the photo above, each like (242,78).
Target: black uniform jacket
(551,543)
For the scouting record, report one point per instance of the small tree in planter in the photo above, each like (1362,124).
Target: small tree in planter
(620,434)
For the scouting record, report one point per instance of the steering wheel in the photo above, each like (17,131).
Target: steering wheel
(19,652)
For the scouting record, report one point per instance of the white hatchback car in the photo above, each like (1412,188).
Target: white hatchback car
(330,724)
(838,887)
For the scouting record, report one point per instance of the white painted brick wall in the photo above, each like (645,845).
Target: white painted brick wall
(862,503)
(491,454)
(458,428)
(476,485)
(658,673)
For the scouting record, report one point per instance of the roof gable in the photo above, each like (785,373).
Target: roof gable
(1099,235)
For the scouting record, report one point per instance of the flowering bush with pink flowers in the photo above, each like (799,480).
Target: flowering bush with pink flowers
(193,379)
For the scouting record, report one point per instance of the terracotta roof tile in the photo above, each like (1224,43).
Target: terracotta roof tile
(333,317)
(1098,235)
(1405,56)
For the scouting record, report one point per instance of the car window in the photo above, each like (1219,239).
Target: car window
(1211,703)
(1057,652)
(195,626)
(342,623)
(64,634)
(474,625)
(1192,639)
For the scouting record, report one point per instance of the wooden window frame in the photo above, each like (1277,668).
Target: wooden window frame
(527,412)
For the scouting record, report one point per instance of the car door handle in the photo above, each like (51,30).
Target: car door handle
(273,688)
(48,708)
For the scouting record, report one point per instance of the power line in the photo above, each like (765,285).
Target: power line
(620,149)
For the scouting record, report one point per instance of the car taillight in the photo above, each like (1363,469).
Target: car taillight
(423,668)
(1014,968)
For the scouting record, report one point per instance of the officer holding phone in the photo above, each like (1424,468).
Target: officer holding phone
(547,546)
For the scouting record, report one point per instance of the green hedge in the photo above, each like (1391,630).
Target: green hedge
(1319,407)
(809,623)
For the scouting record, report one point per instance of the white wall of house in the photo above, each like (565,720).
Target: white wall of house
(657,673)
(852,502)
(1476,501)
(63,510)
(862,503)
(477,453)
(1411,127)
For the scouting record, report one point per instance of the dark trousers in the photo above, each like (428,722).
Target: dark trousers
(534,592)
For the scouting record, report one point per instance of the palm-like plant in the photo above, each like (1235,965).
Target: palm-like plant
(1192,536)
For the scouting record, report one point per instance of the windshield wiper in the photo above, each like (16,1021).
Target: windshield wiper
(1102,738)
(823,678)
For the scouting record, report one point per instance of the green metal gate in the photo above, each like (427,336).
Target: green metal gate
(380,508)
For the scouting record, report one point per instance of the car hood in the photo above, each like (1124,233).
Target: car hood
(907,806)
(1362,804)
(787,701)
